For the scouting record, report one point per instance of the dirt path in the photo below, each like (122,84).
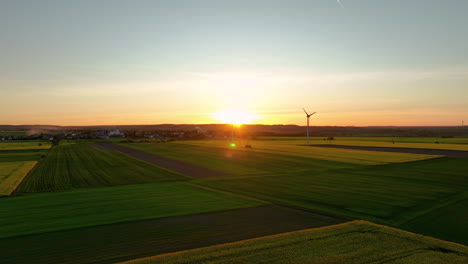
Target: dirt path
(171,164)
(448,153)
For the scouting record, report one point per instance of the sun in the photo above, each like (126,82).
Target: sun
(235,116)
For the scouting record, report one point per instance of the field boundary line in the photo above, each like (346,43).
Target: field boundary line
(287,205)
(449,200)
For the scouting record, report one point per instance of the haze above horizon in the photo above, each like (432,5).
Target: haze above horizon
(361,62)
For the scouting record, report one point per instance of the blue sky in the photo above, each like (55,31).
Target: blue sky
(370,62)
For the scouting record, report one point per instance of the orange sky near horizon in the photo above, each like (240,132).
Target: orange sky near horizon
(362,63)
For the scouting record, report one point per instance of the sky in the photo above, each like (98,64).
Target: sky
(110,62)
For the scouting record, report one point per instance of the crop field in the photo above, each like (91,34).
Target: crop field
(238,162)
(390,194)
(357,242)
(130,240)
(397,142)
(462,147)
(24,145)
(22,155)
(291,148)
(12,174)
(13,133)
(377,139)
(84,204)
(426,143)
(38,213)
(23,151)
(74,166)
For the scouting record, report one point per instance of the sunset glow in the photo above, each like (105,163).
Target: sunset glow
(235,116)
(365,63)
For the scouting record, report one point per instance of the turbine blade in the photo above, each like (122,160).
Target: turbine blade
(305,111)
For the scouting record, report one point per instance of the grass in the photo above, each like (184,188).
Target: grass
(130,240)
(339,155)
(356,242)
(12,174)
(38,213)
(75,166)
(389,194)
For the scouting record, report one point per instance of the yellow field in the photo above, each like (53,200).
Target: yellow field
(24,145)
(446,146)
(356,242)
(12,174)
(292,148)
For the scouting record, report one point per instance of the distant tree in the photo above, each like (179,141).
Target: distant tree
(56,141)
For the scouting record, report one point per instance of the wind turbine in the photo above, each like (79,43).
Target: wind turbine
(308,117)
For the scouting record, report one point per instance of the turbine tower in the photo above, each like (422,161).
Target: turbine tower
(308,117)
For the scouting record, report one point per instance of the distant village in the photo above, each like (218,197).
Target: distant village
(162,135)
(171,132)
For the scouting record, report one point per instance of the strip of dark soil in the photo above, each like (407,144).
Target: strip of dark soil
(125,241)
(171,164)
(443,152)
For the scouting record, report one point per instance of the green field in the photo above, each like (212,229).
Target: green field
(13,133)
(397,142)
(38,213)
(356,242)
(447,221)
(238,162)
(294,149)
(24,145)
(376,139)
(22,155)
(80,198)
(74,166)
(23,151)
(129,240)
(12,174)
(390,194)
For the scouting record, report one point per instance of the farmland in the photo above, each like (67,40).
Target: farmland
(294,149)
(390,194)
(136,239)
(237,162)
(24,145)
(12,174)
(81,196)
(445,143)
(429,140)
(356,242)
(74,166)
(13,133)
(38,213)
